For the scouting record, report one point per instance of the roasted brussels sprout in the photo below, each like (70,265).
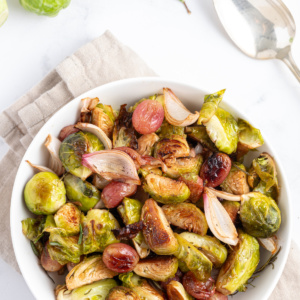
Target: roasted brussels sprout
(263,176)
(157,232)
(97,228)
(96,290)
(210,106)
(140,286)
(222,129)
(169,131)
(81,191)
(91,269)
(68,218)
(240,264)
(176,291)
(124,133)
(166,190)
(158,268)
(184,165)
(146,143)
(122,293)
(232,208)
(195,185)
(130,211)
(64,249)
(103,117)
(260,215)
(33,228)
(199,134)
(236,181)
(44,193)
(186,216)
(182,266)
(195,260)
(210,246)
(73,147)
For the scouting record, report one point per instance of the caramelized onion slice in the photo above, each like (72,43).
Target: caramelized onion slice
(225,195)
(112,165)
(98,132)
(39,168)
(53,144)
(269,244)
(175,112)
(218,220)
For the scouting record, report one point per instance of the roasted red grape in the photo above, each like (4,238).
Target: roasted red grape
(196,288)
(113,194)
(47,263)
(215,169)
(218,296)
(148,116)
(120,258)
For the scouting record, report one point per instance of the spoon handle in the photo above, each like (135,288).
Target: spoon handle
(289,61)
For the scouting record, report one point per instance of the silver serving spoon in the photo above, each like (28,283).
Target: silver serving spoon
(262,29)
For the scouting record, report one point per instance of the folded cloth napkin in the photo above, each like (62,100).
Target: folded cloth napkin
(100,61)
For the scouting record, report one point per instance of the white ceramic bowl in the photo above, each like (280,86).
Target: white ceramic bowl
(115,94)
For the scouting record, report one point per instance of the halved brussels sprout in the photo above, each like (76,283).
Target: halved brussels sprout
(236,181)
(130,211)
(199,134)
(260,215)
(103,117)
(263,176)
(169,131)
(186,216)
(33,228)
(172,148)
(157,232)
(222,129)
(158,268)
(240,265)
(68,218)
(122,293)
(146,143)
(195,260)
(210,106)
(232,208)
(146,170)
(176,291)
(249,136)
(140,286)
(166,190)
(97,228)
(73,147)
(91,269)
(64,249)
(81,191)
(182,266)
(44,193)
(210,246)
(96,290)
(184,165)
(195,185)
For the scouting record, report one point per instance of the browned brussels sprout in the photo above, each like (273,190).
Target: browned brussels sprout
(186,216)
(122,293)
(103,117)
(146,143)
(195,185)
(232,208)
(176,291)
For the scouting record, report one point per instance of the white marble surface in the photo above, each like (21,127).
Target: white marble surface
(191,48)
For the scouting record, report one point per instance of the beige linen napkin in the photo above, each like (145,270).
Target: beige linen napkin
(100,61)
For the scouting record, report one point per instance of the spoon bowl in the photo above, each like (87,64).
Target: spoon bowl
(262,29)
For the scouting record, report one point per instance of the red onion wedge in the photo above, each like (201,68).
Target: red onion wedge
(269,244)
(218,219)
(112,165)
(53,144)
(225,195)
(98,132)
(175,112)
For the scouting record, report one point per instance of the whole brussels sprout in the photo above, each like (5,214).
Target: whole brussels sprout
(48,8)
(73,147)
(97,228)
(44,193)
(236,181)
(103,117)
(159,268)
(68,218)
(186,216)
(81,191)
(240,265)
(260,215)
(208,245)
(96,290)
(210,106)
(222,129)
(122,292)
(199,134)
(166,190)
(195,260)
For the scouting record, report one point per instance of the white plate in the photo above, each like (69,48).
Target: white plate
(117,93)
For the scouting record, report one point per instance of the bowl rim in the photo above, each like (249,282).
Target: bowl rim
(118,84)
